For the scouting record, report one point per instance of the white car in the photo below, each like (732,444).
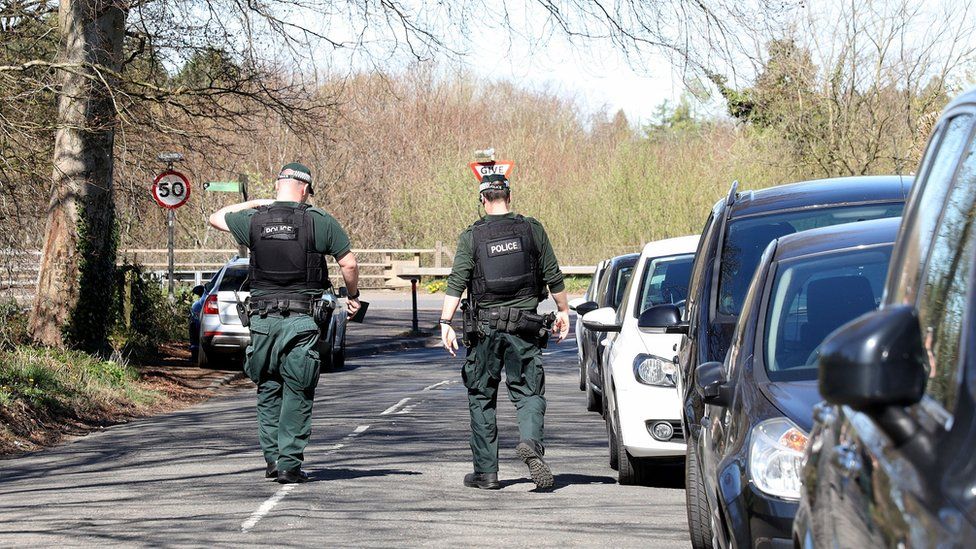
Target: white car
(643,408)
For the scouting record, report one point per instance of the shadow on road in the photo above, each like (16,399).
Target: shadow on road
(347,474)
(562,481)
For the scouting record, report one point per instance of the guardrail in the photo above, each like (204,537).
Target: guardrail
(379,267)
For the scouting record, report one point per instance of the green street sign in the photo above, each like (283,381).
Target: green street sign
(223,186)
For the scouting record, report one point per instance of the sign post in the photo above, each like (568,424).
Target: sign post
(171,189)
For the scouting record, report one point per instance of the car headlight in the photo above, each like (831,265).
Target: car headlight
(776,456)
(654,370)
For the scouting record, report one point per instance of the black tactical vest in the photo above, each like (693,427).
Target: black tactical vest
(506,260)
(283,256)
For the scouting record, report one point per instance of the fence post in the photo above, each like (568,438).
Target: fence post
(438,250)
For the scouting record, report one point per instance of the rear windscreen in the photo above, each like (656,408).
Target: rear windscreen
(746,239)
(235,279)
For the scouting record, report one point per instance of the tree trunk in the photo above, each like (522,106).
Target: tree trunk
(75,290)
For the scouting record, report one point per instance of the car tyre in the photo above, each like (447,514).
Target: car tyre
(339,353)
(203,361)
(628,467)
(593,402)
(611,439)
(582,370)
(699,518)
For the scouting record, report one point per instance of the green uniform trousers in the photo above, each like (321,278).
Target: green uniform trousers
(522,362)
(284,363)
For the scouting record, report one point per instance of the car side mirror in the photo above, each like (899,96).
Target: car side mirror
(603,319)
(586,307)
(198,290)
(663,317)
(575,302)
(343,292)
(875,361)
(711,384)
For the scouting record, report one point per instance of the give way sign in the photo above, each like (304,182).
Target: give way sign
(481,169)
(171,189)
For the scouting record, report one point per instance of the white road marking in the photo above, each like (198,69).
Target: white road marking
(407,409)
(394,408)
(266,507)
(359,430)
(438,384)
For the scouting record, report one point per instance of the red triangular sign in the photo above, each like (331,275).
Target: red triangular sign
(500,167)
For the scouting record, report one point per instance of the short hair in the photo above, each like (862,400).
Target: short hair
(491,195)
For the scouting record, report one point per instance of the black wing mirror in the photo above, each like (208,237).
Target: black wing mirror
(586,307)
(198,290)
(663,317)
(711,384)
(875,361)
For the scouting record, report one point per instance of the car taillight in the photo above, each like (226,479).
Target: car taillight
(210,305)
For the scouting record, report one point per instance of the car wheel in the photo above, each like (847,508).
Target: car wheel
(593,402)
(611,439)
(699,518)
(582,369)
(339,353)
(202,360)
(628,467)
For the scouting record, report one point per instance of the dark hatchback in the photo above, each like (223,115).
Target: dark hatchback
(736,233)
(609,293)
(890,460)
(758,403)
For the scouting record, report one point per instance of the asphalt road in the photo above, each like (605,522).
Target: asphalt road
(389,449)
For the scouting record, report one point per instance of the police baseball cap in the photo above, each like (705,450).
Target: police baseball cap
(493,182)
(297,171)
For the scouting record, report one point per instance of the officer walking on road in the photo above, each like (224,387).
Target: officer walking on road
(288,240)
(505,262)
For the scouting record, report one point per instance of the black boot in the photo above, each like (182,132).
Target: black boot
(271,471)
(531,453)
(485,481)
(294,476)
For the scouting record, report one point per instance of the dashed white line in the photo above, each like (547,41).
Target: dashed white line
(359,430)
(266,507)
(394,408)
(407,409)
(438,384)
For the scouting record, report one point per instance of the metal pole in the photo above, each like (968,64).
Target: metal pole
(413,290)
(172,228)
(242,181)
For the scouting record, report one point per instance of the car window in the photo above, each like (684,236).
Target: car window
(814,296)
(594,283)
(698,268)
(942,299)
(620,284)
(665,280)
(746,239)
(235,279)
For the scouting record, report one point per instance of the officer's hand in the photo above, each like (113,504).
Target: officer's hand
(449,339)
(352,306)
(561,326)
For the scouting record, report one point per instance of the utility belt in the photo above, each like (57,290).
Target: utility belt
(320,310)
(525,324)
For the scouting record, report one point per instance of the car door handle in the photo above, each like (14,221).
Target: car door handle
(846,460)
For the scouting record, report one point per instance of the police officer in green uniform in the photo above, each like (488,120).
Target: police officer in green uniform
(505,262)
(288,240)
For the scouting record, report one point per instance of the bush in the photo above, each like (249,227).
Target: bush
(13,325)
(436,286)
(145,317)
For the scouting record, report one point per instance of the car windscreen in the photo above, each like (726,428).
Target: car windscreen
(665,280)
(747,238)
(814,296)
(235,279)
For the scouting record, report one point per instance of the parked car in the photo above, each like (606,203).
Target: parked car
(736,233)
(589,295)
(196,309)
(641,406)
(758,403)
(609,293)
(890,460)
(223,338)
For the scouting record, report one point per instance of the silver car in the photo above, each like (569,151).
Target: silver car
(222,336)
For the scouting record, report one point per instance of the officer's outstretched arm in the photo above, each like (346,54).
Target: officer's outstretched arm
(350,276)
(218,221)
(448,336)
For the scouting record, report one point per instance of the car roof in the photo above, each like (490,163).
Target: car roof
(238,262)
(822,193)
(622,261)
(837,237)
(671,246)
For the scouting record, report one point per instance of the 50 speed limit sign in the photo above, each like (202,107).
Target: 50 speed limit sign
(171,189)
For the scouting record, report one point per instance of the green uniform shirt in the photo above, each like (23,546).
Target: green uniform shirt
(457,283)
(330,238)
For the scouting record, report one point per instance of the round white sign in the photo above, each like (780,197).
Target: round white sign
(171,189)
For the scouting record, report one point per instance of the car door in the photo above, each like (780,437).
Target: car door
(880,494)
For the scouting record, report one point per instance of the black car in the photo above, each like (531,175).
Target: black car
(758,403)
(735,235)
(609,293)
(890,460)
(589,295)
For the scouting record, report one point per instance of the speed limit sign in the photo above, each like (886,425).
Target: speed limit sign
(171,189)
